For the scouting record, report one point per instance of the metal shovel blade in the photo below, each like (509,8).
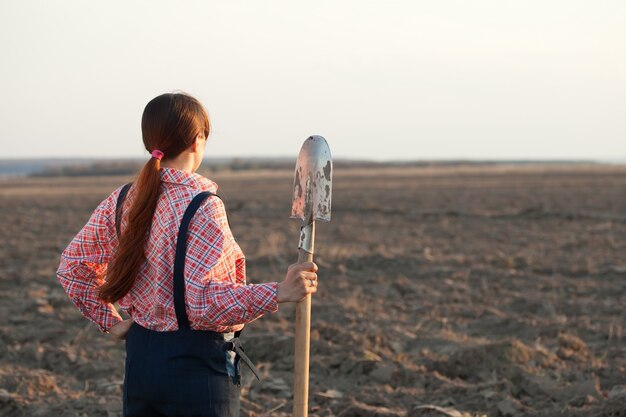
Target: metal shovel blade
(312,188)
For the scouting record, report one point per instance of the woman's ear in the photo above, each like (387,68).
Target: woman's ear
(196,143)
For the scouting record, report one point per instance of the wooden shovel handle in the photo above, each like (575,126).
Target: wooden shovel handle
(301,354)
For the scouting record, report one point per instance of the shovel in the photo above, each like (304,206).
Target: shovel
(311,201)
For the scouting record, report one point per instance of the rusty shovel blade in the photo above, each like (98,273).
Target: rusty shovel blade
(312,188)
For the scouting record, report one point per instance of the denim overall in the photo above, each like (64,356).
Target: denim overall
(183,372)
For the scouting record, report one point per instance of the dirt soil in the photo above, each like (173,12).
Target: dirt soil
(444,291)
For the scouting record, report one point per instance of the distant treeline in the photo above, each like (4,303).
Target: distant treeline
(131,167)
(111,167)
(91,169)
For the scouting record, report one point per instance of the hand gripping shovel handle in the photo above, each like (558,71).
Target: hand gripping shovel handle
(303,333)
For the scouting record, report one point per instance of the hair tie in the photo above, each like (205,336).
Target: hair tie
(157,154)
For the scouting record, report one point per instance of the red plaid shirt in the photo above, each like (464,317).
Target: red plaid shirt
(216,295)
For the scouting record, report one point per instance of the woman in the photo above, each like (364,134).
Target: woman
(166,254)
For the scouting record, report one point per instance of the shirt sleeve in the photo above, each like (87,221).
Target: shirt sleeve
(217,271)
(84,263)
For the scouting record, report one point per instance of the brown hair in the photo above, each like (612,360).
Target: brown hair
(170,123)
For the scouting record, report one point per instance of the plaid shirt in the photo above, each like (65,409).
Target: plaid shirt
(216,295)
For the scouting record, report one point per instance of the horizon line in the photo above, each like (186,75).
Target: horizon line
(338,159)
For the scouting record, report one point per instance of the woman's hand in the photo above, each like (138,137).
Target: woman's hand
(119,330)
(301,279)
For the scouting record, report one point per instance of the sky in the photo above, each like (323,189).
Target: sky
(380,80)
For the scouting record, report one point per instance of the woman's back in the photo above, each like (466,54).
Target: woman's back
(217,297)
(214,261)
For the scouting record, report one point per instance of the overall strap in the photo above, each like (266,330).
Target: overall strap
(118,207)
(179,261)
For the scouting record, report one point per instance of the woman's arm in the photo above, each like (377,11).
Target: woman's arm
(84,262)
(218,294)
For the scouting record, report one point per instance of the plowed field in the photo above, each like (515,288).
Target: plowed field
(494,290)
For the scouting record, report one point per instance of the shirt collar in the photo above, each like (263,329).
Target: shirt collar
(190,179)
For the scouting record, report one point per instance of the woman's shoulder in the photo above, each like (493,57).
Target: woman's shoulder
(104,214)
(111,201)
(212,206)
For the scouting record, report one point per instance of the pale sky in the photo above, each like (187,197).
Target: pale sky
(382,80)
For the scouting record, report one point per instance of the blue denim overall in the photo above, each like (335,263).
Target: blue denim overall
(183,372)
